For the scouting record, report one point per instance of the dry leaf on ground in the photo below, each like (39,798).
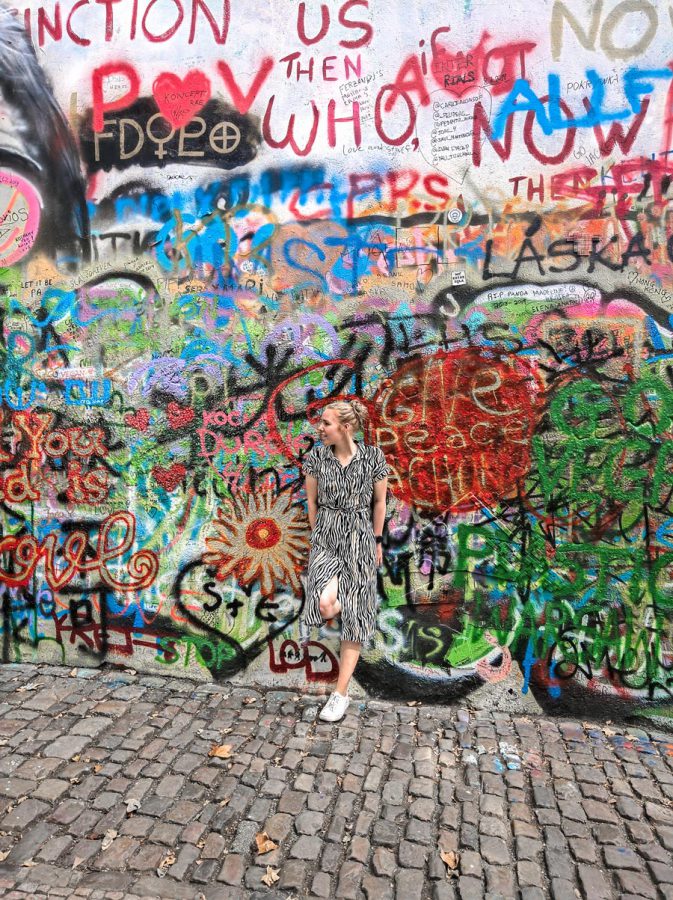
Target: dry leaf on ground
(450,857)
(271,876)
(28,863)
(132,805)
(248,700)
(264,843)
(413,702)
(165,864)
(3,854)
(108,838)
(225,801)
(221,751)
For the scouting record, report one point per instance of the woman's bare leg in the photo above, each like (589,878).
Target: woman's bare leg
(350,653)
(350,650)
(329,606)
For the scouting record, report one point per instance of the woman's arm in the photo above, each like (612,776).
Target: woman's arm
(311,486)
(379,514)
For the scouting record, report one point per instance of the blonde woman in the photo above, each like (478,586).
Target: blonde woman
(346,483)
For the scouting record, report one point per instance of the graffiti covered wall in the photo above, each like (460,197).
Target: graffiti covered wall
(216,217)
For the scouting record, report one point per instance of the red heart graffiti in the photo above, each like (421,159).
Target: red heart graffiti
(139,420)
(179,99)
(169,478)
(458,73)
(179,416)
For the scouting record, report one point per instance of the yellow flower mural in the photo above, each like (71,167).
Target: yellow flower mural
(261,538)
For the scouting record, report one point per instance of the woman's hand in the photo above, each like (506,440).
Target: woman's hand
(379,556)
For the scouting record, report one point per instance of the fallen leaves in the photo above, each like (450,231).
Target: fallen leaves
(225,801)
(413,702)
(264,843)
(165,864)
(248,700)
(108,838)
(132,806)
(28,863)
(271,876)
(450,858)
(221,751)
(3,854)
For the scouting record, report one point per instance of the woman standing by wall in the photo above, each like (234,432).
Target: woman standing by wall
(346,483)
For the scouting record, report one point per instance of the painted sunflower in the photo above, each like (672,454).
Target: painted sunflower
(260,537)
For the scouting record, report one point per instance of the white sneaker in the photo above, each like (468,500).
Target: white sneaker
(335,708)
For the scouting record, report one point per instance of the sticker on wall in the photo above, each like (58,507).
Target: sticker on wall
(19,216)
(458,277)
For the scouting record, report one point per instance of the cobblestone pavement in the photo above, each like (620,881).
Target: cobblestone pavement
(395,801)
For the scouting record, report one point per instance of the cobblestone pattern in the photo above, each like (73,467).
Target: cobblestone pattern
(531,807)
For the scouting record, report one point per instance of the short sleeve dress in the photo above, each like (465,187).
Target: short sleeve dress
(343,542)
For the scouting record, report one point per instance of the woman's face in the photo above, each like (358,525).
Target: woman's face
(330,429)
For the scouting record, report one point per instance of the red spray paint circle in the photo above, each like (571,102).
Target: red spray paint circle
(456,428)
(263,534)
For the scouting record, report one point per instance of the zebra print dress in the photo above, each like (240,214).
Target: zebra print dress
(342,542)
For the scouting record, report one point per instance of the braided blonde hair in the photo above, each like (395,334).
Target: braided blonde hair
(350,412)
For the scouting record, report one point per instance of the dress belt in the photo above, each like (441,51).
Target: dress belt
(344,508)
